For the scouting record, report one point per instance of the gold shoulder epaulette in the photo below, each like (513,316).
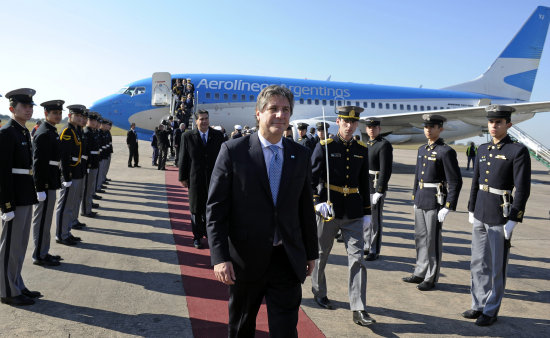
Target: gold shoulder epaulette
(361,143)
(326,141)
(63,136)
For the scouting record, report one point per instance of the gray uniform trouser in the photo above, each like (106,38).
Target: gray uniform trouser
(42,224)
(13,246)
(67,208)
(100,173)
(88,191)
(429,244)
(373,233)
(352,232)
(488,267)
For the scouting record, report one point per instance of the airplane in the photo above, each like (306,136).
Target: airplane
(231,99)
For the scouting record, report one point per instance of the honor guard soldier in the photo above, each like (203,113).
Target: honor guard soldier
(109,150)
(90,138)
(347,184)
(103,154)
(17,195)
(72,174)
(46,155)
(303,139)
(76,224)
(380,168)
(437,184)
(321,127)
(501,166)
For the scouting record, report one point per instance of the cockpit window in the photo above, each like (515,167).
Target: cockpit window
(132,91)
(122,90)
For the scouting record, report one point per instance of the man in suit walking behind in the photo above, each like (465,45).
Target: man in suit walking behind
(260,220)
(199,150)
(131,141)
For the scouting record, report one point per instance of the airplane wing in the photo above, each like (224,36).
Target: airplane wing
(405,123)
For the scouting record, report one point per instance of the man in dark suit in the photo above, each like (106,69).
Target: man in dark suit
(131,141)
(260,220)
(199,150)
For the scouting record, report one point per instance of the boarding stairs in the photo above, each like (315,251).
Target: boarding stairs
(537,150)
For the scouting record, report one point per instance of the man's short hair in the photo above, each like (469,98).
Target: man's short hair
(274,90)
(201,111)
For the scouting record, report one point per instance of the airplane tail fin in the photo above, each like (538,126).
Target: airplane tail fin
(513,73)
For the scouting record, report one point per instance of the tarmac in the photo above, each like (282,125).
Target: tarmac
(125,278)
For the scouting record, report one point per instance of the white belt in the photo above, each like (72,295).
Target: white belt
(84,157)
(374,172)
(21,171)
(487,188)
(75,159)
(94,152)
(55,163)
(423,185)
(104,147)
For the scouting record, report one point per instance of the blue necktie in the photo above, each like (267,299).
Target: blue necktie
(204,139)
(275,169)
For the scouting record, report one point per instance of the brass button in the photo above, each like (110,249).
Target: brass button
(347,176)
(347,150)
(488,163)
(347,158)
(487,171)
(423,164)
(486,180)
(490,155)
(422,173)
(347,167)
(425,156)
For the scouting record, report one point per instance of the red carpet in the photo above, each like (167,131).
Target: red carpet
(206,297)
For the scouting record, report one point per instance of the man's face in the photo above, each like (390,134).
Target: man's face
(273,120)
(22,111)
(321,134)
(203,122)
(432,131)
(133,126)
(53,116)
(498,127)
(346,127)
(74,119)
(373,131)
(82,121)
(302,132)
(92,123)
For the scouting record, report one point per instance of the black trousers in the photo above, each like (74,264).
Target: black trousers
(198,225)
(134,154)
(283,295)
(163,153)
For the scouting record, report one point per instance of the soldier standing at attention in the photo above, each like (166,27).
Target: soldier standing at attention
(46,180)
(71,175)
(92,146)
(303,139)
(17,195)
(349,189)
(501,166)
(437,184)
(380,168)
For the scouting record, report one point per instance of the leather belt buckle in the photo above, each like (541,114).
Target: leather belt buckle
(485,187)
(345,190)
(421,185)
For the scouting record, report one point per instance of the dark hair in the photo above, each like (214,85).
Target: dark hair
(201,111)
(274,90)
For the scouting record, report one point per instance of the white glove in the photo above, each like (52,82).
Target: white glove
(8,216)
(442,214)
(375,197)
(471,217)
(67,184)
(323,209)
(366,221)
(508,228)
(41,196)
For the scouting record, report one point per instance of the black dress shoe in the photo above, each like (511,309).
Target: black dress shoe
(413,279)
(323,302)
(130,166)
(107,179)
(96,197)
(78,226)
(95,205)
(47,261)
(371,257)
(362,318)
(56,257)
(90,214)
(31,294)
(17,300)
(66,241)
(197,244)
(101,191)
(472,314)
(485,320)
(76,239)
(137,166)
(425,286)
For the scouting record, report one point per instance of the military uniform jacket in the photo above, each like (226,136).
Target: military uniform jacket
(15,147)
(503,166)
(380,159)
(71,152)
(102,142)
(85,156)
(109,142)
(349,168)
(436,163)
(196,165)
(307,142)
(90,138)
(45,144)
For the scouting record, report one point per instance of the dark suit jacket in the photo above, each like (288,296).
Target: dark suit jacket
(131,138)
(196,165)
(241,217)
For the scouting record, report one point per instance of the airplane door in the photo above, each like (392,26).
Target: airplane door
(161,95)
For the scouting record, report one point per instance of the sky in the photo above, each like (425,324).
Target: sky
(81,51)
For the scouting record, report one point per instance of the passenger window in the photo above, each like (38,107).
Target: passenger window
(251,98)
(409,107)
(387,106)
(331,102)
(394,106)
(357,104)
(243,97)
(301,101)
(234,97)
(349,103)
(401,107)
(208,95)
(225,97)
(365,104)
(217,96)
(422,108)
(339,102)
(428,108)
(324,102)
(308,101)
(373,105)
(380,105)
(317,102)
(415,107)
